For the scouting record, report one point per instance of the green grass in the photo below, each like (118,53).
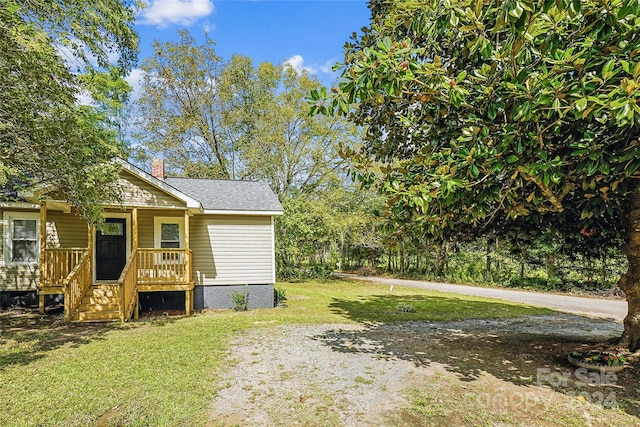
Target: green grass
(164,371)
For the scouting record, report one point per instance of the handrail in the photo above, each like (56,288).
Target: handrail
(76,285)
(127,286)
(58,263)
(161,265)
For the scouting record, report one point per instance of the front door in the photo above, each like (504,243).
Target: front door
(111,249)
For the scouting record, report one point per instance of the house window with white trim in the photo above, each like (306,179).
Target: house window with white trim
(169,234)
(22,238)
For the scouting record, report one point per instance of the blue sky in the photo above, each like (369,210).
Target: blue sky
(307,34)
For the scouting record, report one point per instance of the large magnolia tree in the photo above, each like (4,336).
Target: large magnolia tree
(489,116)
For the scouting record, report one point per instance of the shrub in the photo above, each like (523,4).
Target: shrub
(240,300)
(406,308)
(318,271)
(279,295)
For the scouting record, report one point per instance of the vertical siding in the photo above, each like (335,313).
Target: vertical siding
(136,192)
(232,250)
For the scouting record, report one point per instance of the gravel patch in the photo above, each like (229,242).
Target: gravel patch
(357,375)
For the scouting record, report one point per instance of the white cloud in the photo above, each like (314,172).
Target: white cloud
(327,66)
(208,27)
(84,98)
(73,60)
(135,79)
(183,12)
(297,63)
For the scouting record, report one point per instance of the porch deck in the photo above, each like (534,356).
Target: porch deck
(70,271)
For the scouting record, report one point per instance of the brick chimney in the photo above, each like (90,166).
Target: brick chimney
(157,168)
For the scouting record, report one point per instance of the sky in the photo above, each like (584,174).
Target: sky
(307,34)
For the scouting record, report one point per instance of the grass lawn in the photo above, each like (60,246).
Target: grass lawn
(163,371)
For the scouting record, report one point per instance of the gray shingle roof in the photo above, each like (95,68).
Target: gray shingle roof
(215,194)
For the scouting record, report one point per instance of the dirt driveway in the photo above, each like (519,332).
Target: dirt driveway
(477,372)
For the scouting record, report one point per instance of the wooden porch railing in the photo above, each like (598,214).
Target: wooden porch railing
(58,263)
(76,285)
(163,266)
(127,286)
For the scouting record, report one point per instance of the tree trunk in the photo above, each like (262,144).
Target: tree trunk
(488,256)
(441,258)
(630,282)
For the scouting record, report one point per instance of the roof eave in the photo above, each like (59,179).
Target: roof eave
(192,204)
(241,212)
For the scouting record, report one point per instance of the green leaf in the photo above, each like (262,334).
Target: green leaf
(581,104)
(497,167)
(575,6)
(492,111)
(516,10)
(512,159)
(624,112)
(631,167)
(609,66)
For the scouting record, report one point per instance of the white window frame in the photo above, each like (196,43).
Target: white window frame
(8,218)
(157,235)
(157,229)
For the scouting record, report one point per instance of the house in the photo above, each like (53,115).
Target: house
(207,238)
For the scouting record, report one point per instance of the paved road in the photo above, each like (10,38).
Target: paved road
(592,307)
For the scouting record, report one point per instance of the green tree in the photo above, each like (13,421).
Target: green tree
(231,119)
(45,137)
(180,109)
(492,116)
(295,152)
(110,94)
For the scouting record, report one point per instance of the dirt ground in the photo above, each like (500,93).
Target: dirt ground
(478,372)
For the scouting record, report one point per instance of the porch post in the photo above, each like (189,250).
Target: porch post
(43,261)
(188,295)
(90,233)
(186,230)
(135,244)
(134,229)
(187,302)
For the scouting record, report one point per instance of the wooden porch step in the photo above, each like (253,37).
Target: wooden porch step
(90,299)
(100,304)
(110,306)
(104,291)
(98,316)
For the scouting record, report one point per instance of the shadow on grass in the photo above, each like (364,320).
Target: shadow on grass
(526,351)
(386,308)
(27,336)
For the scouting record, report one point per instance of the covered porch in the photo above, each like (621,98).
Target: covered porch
(101,281)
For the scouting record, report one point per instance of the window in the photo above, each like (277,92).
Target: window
(169,235)
(22,238)
(112,229)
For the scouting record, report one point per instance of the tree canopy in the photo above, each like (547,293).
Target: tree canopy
(45,136)
(494,116)
(230,119)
